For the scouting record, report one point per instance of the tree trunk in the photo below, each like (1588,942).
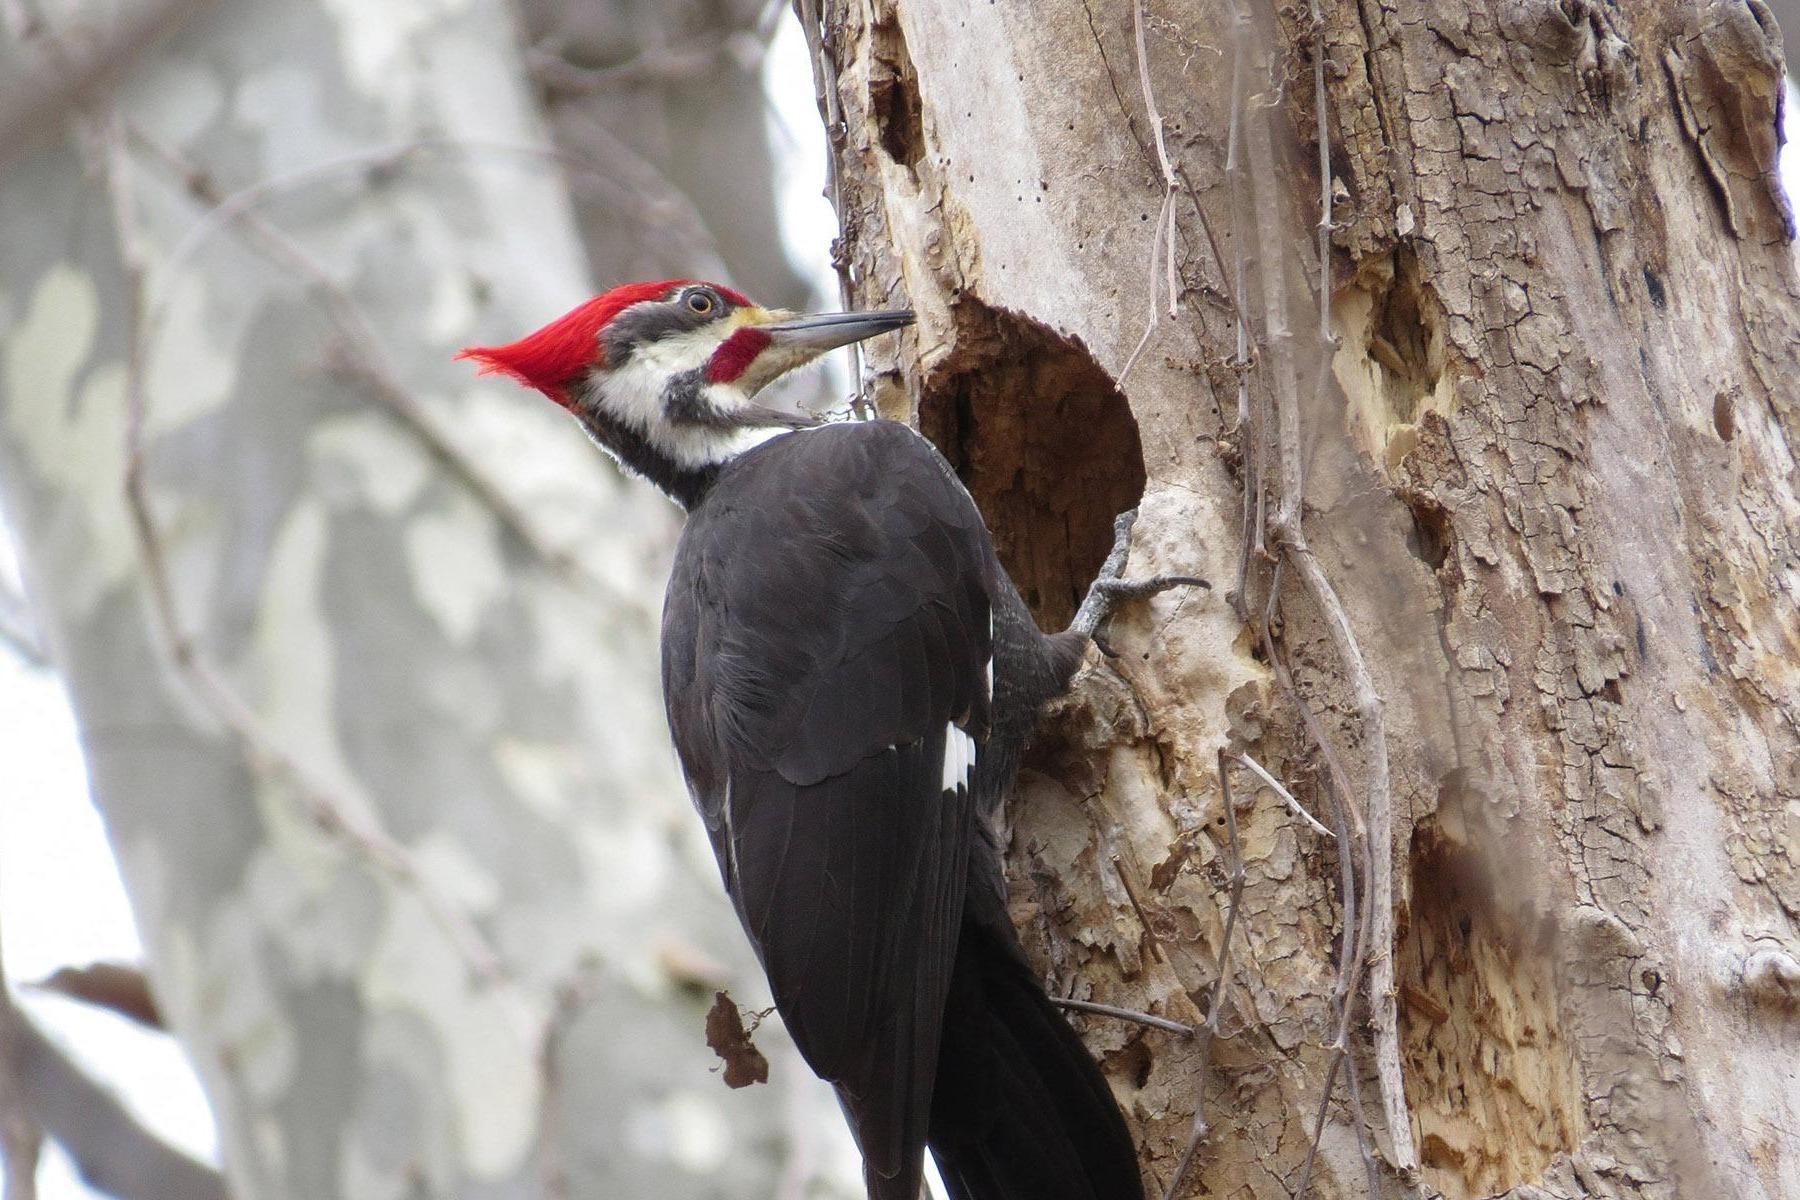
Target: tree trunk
(666,97)
(1549,481)
(362,649)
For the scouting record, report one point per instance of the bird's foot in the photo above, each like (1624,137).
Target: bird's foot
(1110,589)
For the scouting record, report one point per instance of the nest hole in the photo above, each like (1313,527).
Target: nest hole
(1045,443)
(894,96)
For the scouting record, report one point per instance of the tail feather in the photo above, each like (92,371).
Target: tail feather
(1021,1110)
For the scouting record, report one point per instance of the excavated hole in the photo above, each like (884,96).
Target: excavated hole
(1393,364)
(1724,420)
(1407,337)
(1491,1078)
(1044,442)
(894,96)
(1431,532)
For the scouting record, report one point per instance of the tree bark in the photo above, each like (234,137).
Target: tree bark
(1550,479)
(361,647)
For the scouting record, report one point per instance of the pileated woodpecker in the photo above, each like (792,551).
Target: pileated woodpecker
(850,676)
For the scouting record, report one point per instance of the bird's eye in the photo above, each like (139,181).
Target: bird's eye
(699,302)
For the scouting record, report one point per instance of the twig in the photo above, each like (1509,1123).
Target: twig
(73,75)
(1286,525)
(378,161)
(43,1091)
(260,747)
(1359,1121)
(1250,426)
(655,65)
(1162,236)
(1379,813)
(1286,795)
(812,24)
(1209,1032)
(111,1149)
(1156,244)
(369,362)
(1352,845)
(1384,1016)
(1124,1014)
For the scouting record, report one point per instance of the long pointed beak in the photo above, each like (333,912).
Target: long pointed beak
(828,331)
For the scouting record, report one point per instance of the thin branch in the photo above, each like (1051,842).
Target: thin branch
(1353,863)
(1250,426)
(1286,525)
(1124,1014)
(43,1091)
(824,64)
(1281,791)
(1383,1012)
(329,812)
(1359,1121)
(655,66)
(1209,1032)
(377,162)
(1162,235)
(367,361)
(112,1150)
(1379,813)
(74,74)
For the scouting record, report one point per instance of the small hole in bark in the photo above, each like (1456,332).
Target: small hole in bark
(894,97)
(1133,1062)
(1653,282)
(1430,537)
(1724,420)
(1045,443)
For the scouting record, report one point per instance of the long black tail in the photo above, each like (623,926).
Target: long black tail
(1021,1110)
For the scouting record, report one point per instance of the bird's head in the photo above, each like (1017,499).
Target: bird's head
(665,375)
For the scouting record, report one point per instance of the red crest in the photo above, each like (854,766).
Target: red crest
(553,357)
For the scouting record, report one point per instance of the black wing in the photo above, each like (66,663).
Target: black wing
(826,651)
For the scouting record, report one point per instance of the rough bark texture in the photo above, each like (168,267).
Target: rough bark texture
(1553,479)
(483,765)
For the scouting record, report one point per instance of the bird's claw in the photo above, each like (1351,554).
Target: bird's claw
(1110,588)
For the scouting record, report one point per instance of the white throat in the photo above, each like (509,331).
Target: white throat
(633,395)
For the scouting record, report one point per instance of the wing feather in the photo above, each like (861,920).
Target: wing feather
(826,639)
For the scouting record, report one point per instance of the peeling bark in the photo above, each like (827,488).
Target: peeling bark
(1552,476)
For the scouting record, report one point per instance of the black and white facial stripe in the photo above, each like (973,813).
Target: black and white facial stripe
(693,307)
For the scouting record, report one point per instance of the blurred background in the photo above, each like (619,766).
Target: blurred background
(351,654)
(327,671)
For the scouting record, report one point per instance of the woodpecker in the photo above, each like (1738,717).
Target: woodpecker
(849,677)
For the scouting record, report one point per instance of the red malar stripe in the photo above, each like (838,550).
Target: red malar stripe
(735,354)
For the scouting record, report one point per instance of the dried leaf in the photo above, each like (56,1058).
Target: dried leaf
(121,987)
(725,1033)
